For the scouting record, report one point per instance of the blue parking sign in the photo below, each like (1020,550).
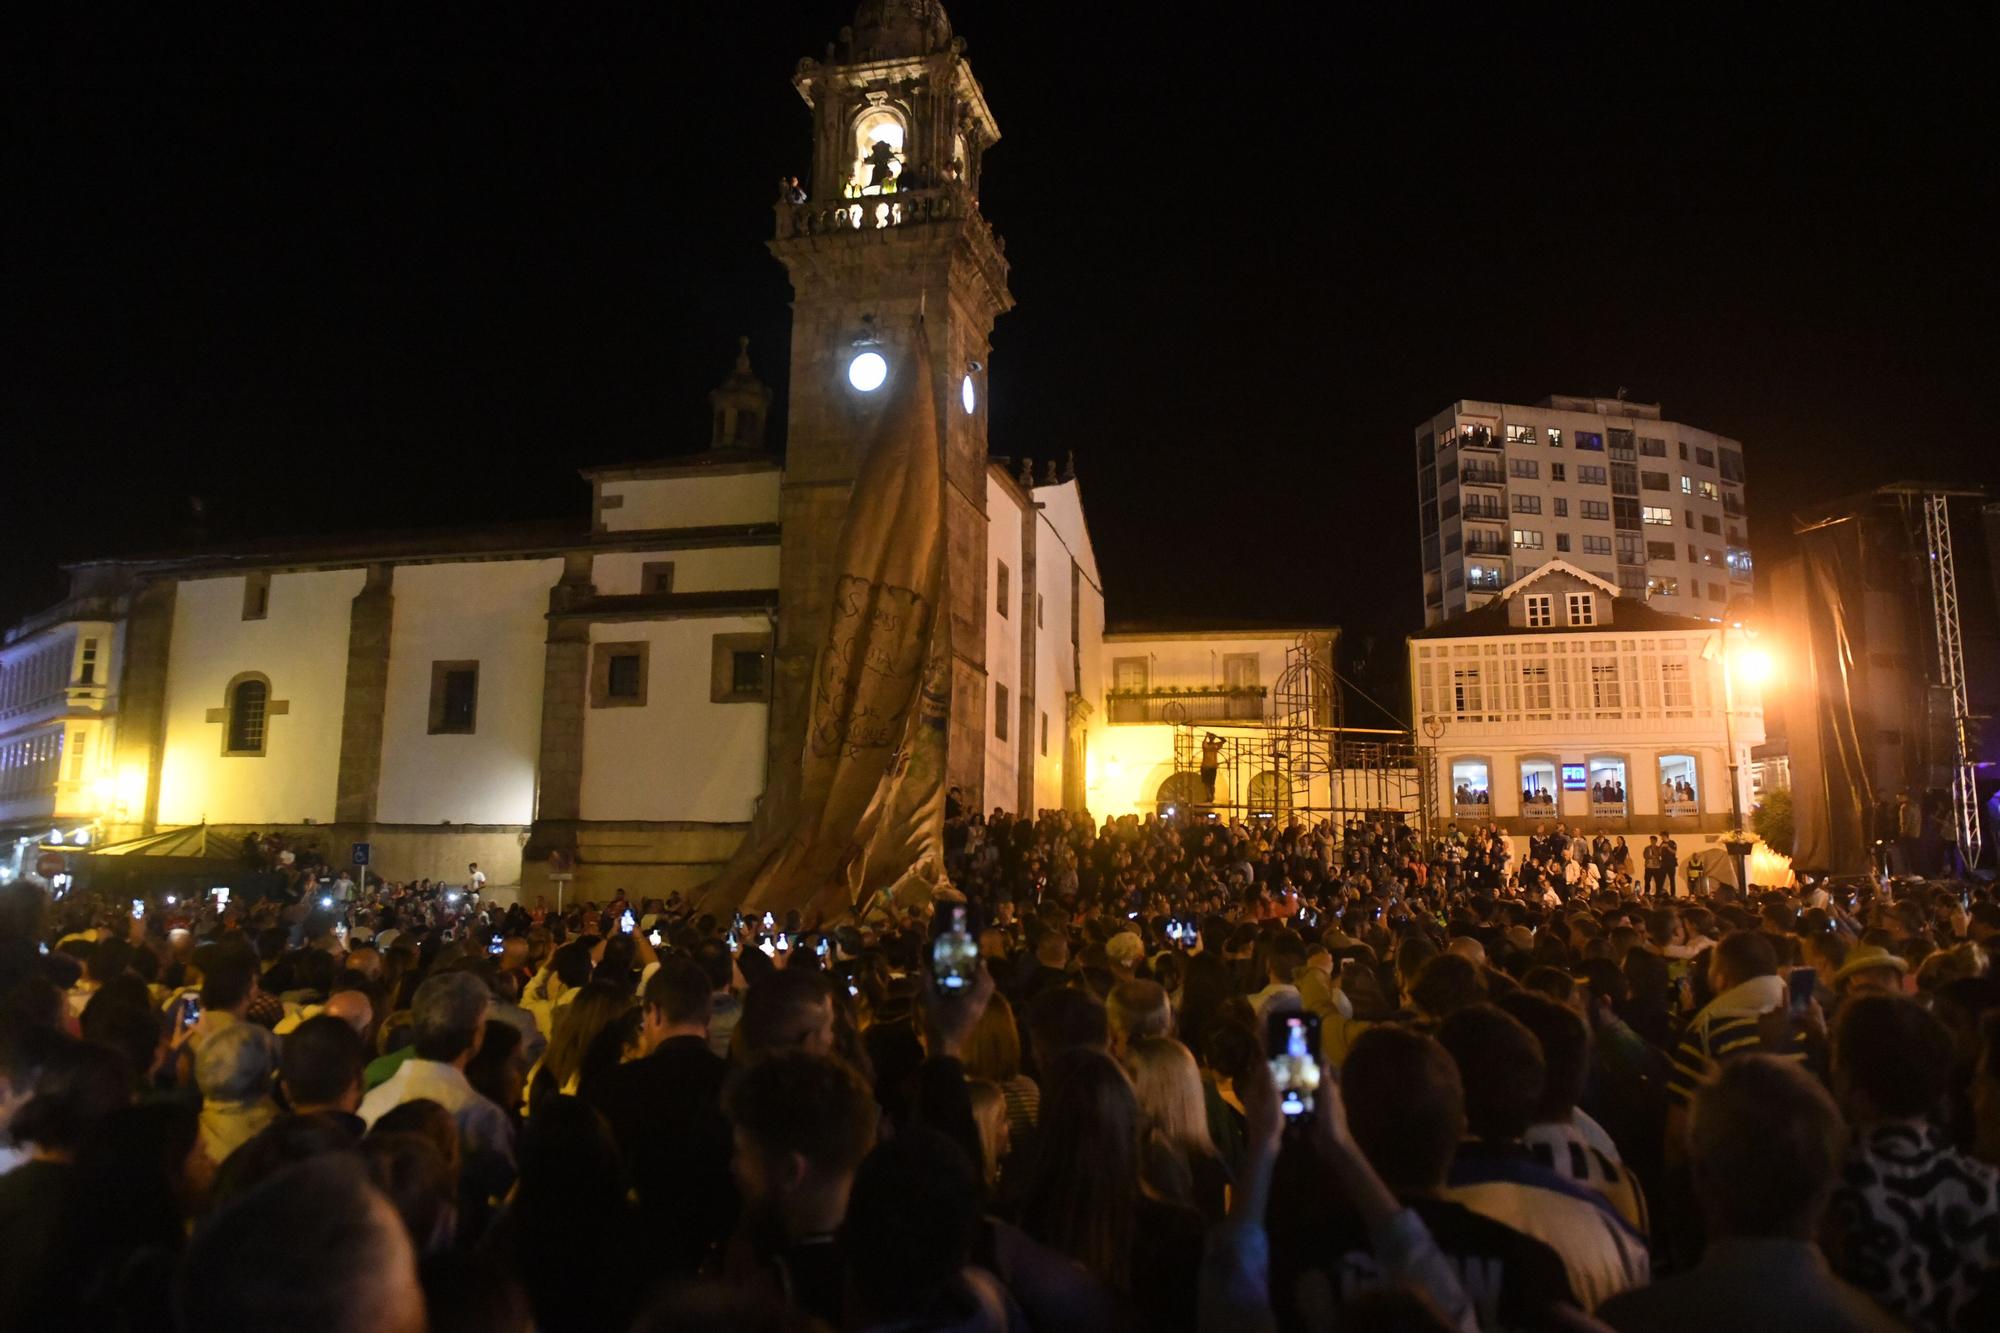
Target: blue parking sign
(361,853)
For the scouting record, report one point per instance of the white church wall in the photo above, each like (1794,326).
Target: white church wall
(710,569)
(1003,644)
(300,644)
(698,501)
(489,612)
(678,756)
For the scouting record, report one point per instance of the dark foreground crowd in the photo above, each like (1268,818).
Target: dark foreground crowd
(396,1107)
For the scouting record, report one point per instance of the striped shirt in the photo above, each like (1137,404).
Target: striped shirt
(1731,1024)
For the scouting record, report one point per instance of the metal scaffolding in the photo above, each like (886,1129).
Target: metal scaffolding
(1298,762)
(1947,639)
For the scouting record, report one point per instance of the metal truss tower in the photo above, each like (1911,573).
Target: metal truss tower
(1951,672)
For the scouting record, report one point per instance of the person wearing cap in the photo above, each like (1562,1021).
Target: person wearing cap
(1870,970)
(235,1070)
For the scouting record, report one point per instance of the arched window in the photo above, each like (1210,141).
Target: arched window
(1609,798)
(1270,794)
(1680,785)
(249,708)
(1471,787)
(878,152)
(1538,788)
(1179,794)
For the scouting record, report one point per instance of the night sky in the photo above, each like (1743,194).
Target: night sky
(330,271)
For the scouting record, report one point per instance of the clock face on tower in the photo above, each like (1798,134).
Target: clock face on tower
(867,371)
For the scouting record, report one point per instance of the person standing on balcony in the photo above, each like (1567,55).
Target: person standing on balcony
(1211,757)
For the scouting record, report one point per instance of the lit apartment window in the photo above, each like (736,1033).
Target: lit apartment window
(1582,608)
(1541,610)
(1658,516)
(1555,438)
(1520,435)
(1687,484)
(1661,586)
(1524,467)
(1709,491)
(1527,504)
(1595,508)
(1527,539)
(1589,439)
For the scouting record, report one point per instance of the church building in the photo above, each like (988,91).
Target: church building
(603,701)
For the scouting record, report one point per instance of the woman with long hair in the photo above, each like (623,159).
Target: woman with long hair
(993,1053)
(597,1006)
(1086,1198)
(1180,1158)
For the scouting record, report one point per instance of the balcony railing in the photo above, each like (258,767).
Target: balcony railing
(1485,546)
(1608,809)
(1200,703)
(1485,513)
(1732,505)
(874,212)
(1543,806)
(1678,809)
(1478,438)
(1481,476)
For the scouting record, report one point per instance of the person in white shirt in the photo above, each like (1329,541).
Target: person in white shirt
(449,1013)
(475,879)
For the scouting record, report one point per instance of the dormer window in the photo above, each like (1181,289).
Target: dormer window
(878,153)
(1541,610)
(1582,608)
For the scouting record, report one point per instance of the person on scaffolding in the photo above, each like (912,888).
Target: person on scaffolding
(1211,755)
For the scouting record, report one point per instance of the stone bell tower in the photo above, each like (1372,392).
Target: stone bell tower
(887,246)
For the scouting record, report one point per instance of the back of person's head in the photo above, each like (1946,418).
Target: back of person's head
(1088,1115)
(784,1009)
(1169,1089)
(228,972)
(570,1168)
(1551,982)
(285,1141)
(910,1223)
(1766,1143)
(313,1249)
(237,1064)
(1445,984)
(446,1014)
(993,1051)
(1137,1009)
(131,1184)
(1065,1018)
(1500,1065)
(122,1017)
(1411,954)
(1892,1058)
(1745,955)
(110,958)
(321,1062)
(427,1118)
(1565,1043)
(571,964)
(1405,1105)
(1286,956)
(680,992)
(414,1177)
(791,1101)
(1604,981)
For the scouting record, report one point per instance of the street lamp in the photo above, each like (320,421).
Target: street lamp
(1754,664)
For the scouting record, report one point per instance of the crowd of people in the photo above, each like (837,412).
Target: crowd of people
(1201,1076)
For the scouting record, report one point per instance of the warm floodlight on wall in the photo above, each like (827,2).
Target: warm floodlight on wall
(967,395)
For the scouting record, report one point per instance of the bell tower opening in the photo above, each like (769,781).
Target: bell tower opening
(878,146)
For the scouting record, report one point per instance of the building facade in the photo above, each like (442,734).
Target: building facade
(1560,700)
(1652,506)
(603,702)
